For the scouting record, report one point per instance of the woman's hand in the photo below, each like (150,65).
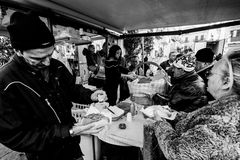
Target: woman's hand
(129,76)
(132,75)
(156,116)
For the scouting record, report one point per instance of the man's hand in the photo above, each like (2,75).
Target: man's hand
(97,94)
(92,128)
(79,129)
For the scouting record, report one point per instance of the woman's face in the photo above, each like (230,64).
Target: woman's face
(215,81)
(118,54)
(92,49)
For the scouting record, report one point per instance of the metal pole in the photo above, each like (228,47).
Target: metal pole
(143,52)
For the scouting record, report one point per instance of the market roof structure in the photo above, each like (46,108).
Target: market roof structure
(123,15)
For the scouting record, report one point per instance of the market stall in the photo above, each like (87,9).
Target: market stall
(102,18)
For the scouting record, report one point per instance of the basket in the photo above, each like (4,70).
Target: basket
(78,111)
(145,100)
(141,93)
(166,77)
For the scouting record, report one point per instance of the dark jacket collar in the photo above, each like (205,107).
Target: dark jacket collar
(25,66)
(191,76)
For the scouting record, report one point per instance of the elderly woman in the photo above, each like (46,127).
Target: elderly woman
(213,131)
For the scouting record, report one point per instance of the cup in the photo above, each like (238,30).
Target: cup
(133,109)
(129,117)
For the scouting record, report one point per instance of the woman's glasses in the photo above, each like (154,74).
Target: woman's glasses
(209,73)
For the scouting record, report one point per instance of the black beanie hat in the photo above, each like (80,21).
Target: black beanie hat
(27,31)
(205,55)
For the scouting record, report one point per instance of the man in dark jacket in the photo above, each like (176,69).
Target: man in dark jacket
(167,65)
(36,95)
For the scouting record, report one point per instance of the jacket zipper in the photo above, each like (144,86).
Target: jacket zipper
(49,104)
(46,100)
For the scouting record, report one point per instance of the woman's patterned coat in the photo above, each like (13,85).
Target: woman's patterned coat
(209,133)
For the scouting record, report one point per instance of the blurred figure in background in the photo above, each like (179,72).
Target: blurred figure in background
(188,91)
(113,71)
(204,57)
(134,61)
(95,67)
(166,65)
(104,51)
(146,67)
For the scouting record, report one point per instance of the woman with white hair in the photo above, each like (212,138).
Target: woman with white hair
(213,131)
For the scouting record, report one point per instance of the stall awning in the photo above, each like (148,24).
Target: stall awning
(123,15)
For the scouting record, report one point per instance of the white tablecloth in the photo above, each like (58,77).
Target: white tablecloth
(131,136)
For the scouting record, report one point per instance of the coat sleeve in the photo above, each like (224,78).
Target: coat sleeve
(195,144)
(76,92)
(15,134)
(123,70)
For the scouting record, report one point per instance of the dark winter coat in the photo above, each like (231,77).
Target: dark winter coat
(188,93)
(113,72)
(167,67)
(35,115)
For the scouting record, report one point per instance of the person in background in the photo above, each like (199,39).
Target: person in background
(204,61)
(95,67)
(134,61)
(93,59)
(146,67)
(211,132)
(124,90)
(204,57)
(187,92)
(113,71)
(103,52)
(36,95)
(122,61)
(167,65)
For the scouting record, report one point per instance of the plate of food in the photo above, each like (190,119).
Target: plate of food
(98,119)
(163,111)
